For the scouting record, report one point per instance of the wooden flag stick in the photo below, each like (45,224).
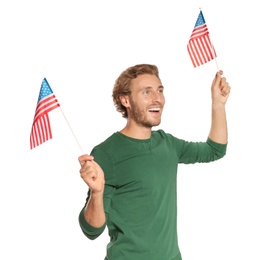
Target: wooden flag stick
(212,48)
(72,131)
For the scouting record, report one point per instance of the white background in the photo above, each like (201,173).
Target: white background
(81,47)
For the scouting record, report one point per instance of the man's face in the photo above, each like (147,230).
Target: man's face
(146,100)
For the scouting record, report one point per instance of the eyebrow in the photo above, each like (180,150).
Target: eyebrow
(149,87)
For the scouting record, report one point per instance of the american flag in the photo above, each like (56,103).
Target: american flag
(199,47)
(41,128)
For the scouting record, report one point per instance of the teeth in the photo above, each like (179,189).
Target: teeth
(154,109)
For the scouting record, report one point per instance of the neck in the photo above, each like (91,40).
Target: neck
(136,131)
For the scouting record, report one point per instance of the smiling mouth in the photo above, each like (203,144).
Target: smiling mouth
(155,110)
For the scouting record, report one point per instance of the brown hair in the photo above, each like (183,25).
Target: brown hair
(123,83)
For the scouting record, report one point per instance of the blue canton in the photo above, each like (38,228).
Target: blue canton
(200,20)
(44,91)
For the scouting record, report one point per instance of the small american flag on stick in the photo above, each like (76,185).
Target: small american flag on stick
(199,47)
(41,128)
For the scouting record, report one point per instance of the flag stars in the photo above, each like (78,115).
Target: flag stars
(45,90)
(200,20)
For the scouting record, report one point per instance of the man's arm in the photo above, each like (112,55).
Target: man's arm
(220,91)
(93,176)
(94,211)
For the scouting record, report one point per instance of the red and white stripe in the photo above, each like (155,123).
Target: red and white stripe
(41,129)
(199,47)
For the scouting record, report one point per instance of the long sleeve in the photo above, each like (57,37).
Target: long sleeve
(89,231)
(192,152)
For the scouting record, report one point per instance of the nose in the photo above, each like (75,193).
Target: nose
(158,96)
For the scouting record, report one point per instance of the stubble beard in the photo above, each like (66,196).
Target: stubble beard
(140,118)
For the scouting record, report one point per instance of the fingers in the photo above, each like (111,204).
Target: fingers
(217,78)
(91,173)
(220,88)
(220,73)
(224,87)
(221,83)
(88,171)
(83,158)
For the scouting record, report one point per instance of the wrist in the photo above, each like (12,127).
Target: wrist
(96,194)
(218,105)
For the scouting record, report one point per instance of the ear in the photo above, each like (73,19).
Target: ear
(124,100)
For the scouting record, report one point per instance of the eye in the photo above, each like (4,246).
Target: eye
(161,90)
(146,92)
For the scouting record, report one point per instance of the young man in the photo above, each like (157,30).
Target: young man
(132,175)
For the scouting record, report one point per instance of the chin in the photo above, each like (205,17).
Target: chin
(155,124)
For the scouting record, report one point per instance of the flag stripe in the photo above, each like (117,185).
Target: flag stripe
(46,110)
(46,106)
(199,31)
(41,128)
(201,50)
(41,131)
(199,47)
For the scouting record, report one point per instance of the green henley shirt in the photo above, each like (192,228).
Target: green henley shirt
(140,196)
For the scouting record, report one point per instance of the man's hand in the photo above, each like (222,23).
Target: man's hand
(220,89)
(91,173)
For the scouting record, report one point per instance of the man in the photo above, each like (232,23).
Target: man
(132,175)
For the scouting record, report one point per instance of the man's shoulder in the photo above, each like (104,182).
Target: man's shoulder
(160,133)
(109,141)
(163,136)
